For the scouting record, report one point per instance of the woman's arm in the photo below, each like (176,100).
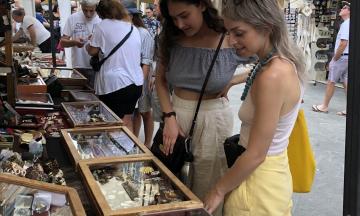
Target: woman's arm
(267,95)
(93,51)
(235,80)
(171,128)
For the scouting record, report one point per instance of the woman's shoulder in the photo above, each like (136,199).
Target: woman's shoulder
(275,72)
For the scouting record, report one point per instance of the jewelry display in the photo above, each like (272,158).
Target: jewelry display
(45,171)
(23,201)
(89,113)
(103,144)
(135,184)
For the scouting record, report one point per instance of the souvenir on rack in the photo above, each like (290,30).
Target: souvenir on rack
(21,196)
(94,143)
(90,114)
(130,186)
(65,76)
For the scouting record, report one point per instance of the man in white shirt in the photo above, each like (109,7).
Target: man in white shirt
(33,29)
(338,67)
(77,32)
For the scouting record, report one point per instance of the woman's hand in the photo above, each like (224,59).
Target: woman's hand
(224,92)
(170,134)
(213,199)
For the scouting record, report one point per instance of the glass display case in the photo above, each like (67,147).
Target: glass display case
(66,76)
(90,143)
(130,186)
(82,96)
(34,101)
(27,85)
(90,114)
(20,196)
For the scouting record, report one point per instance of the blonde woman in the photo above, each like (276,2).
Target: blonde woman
(259,183)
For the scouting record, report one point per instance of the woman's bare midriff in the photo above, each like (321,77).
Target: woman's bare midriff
(191,95)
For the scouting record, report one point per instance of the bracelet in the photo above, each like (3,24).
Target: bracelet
(167,115)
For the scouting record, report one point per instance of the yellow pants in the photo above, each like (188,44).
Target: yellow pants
(266,192)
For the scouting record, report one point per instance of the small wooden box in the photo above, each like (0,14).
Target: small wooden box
(90,114)
(131,186)
(66,76)
(31,85)
(102,142)
(12,187)
(82,96)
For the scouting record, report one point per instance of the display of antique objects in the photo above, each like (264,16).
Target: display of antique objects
(90,143)
(90,113)
(135,185)
(24,197)
(66,76)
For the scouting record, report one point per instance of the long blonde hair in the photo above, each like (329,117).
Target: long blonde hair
(265,15)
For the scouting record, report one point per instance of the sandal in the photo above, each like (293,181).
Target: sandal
(315,108)
(341,113)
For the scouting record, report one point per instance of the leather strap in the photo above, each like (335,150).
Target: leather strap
(191,132)
(117,46)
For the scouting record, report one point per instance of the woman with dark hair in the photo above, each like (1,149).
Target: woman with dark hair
(259,182)
(192,30)
(119,81)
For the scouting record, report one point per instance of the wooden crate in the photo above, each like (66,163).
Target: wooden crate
(31,85)
(75,155)
(71,195)
(103,203)
(76,114)
(66,76)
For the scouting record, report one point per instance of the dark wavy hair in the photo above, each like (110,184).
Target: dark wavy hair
(170,33)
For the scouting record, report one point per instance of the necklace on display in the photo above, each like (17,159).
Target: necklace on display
(250,79)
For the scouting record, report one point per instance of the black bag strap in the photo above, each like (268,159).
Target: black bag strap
(117,46)
(191,132)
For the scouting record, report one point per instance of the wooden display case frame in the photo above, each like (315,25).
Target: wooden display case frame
(80,81)
(74,155)
(71,194)
(118,121)
(103,207)
(74,95)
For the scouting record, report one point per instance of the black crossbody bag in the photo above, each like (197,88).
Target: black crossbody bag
(96,63)
(182,149)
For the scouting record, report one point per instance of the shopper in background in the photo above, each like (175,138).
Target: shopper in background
(147,52)
(191,32)
(150,21)
(33,29)
(77,32)
(40,15)
(120,79)
(338,67)
(260,183)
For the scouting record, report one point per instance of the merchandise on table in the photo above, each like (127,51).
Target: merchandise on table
(46,171)
(34,101)
(65,76)
(20,196)
(90,143)
(129,186)
(91,113)
(83,96)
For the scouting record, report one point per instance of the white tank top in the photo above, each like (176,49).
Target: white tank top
(283,129)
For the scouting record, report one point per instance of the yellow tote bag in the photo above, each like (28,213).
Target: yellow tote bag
(301,157)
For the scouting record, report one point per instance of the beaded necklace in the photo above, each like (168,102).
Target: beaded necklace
(250,79)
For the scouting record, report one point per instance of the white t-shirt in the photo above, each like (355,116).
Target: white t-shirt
(40,31)
(123,67)
(77,26)
(343,34)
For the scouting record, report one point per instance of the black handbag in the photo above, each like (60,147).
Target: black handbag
(182,148)
(232,149)
(96,63)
